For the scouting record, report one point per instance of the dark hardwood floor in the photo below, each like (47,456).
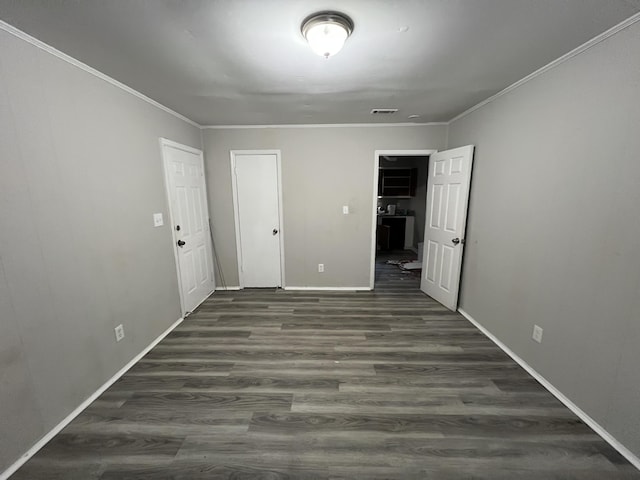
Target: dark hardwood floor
(328,385)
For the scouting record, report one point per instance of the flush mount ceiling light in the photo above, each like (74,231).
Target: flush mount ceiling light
(326,32)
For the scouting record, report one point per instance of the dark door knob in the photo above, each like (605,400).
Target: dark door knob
(455,241)
(275,231)
(181,243)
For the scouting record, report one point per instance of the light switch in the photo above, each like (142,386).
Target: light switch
(345,209)
(157,220)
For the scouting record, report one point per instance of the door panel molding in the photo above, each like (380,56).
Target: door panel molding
(448,185)
(200,226)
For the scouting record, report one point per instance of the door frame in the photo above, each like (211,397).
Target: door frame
(165,142)
(236,218)
(374,223)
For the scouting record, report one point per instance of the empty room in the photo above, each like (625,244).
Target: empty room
(366,239)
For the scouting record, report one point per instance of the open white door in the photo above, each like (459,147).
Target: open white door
(256,195)
(184,172)
(447,199)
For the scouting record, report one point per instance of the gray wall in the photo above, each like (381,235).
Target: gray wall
(323,168)
(554,229)
(80,176)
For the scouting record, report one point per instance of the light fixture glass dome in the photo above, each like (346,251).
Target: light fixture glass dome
(326,32)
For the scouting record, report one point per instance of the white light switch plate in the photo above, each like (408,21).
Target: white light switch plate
(345,209)
(158,220)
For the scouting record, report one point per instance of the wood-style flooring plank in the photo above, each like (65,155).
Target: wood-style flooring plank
(327,385)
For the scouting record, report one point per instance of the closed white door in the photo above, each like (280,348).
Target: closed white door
(257,214)
(447,199)
(184,170)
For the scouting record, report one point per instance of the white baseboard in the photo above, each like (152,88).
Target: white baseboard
(624,451)
(332,289)
(67,420)
(200,303)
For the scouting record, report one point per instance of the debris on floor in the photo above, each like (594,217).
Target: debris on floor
(406,266)
(412,266)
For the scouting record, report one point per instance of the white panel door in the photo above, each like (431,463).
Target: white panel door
(257,211)
(447,199)
(184,171)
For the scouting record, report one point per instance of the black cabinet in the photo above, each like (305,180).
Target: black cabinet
(397,182)
(396,229)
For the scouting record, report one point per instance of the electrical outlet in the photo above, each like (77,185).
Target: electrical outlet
(321,267)
(345,209)
(158,221)
(537,333)
(119,332)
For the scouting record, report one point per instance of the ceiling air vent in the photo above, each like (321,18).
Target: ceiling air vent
(383,111)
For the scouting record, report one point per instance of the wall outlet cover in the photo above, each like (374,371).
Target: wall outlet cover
(119,332)
(537,333)
(158,221)
(321,267)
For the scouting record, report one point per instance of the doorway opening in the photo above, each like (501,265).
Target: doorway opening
(400,200)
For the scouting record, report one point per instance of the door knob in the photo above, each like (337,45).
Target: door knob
(181,243)
(275,231)
(455,241)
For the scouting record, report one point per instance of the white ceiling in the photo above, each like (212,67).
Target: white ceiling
(244,62)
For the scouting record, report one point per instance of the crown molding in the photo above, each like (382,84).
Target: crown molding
(558,61)
(323,125)
(67,58)
(83,66)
